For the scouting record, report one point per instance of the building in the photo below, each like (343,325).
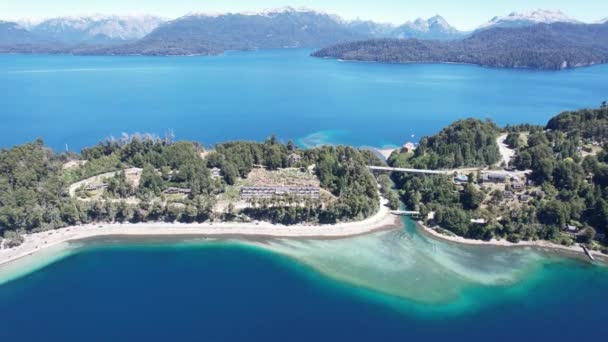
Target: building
(294,158)
(461,179)
(94,187)
(251,192)
(407,147)
(570,229)
(173,190)
(216,172)
(518,186)
(494,178)
(508,194)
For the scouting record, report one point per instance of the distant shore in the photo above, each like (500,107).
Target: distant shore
(36,242)
(570,251)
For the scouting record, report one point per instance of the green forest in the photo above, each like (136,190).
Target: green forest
(464,143)
(34,184)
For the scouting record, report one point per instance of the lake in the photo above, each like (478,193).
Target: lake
(78,100)
(387,286)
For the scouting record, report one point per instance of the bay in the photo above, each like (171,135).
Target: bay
(79,100)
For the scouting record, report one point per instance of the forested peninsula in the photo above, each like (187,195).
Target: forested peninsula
(553,185)
(151,179)
(543,46)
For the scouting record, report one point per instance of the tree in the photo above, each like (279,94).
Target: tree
(553,213)
(471,198)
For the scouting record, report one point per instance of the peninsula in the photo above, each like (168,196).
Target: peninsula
(473,182)
(522,183)
(151,185)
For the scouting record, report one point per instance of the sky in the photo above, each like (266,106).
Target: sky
(463,14)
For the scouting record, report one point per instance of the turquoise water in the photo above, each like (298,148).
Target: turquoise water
(394,285)
(250,95)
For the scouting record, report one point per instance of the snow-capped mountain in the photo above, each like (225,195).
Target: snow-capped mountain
(433,28)
(539,16)
(603,21)
(99,28)
(371,28)
(13,33)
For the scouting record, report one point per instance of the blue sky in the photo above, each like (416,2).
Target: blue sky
(464,14)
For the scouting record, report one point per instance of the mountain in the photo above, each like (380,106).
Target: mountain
(538,16)
(211,34)
(370,28)
(433,28)
(16,39)
(97,29)
(542,46)
(12,33)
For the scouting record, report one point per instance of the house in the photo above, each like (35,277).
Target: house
(294,158)
(508,194)
(517,186)
(408,147)
(494,178)
(524,197)
(94,187)
(216,172)
(461,179)
(174,190)
(250,192)
(570,229)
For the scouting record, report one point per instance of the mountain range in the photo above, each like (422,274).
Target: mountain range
(215,33)
(96,29)
(530,18)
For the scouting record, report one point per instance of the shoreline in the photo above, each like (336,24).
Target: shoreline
(574,251)
(36,242)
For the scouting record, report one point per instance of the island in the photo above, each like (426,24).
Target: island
(517,185)
(544,46)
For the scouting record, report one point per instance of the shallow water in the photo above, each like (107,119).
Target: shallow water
(78,100)
(391,285)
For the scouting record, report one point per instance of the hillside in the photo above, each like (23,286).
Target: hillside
(464,143)
(543,46)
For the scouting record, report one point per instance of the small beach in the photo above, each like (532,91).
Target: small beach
(36,242)
(568,251)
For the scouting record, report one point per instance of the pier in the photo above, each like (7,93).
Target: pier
(588,252)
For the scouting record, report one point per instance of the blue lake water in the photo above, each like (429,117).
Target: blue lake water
(159,292)
(390,286)
(250,95)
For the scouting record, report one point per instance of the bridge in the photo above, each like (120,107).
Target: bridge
(421,171)
(405,213)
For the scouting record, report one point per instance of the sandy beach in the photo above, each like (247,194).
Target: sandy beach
(571,251)
(36,242)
